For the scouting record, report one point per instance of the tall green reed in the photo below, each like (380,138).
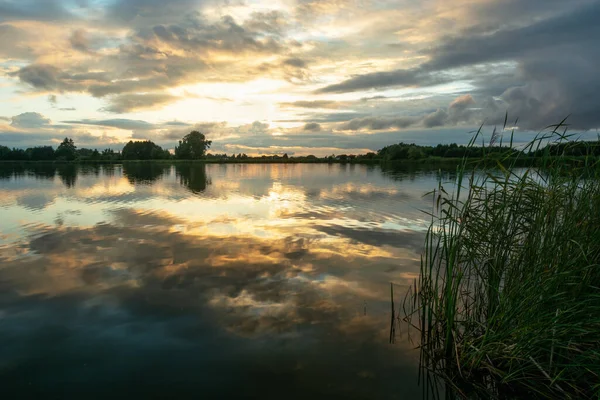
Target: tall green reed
(508,299)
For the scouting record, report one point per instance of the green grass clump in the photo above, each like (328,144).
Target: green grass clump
(508,300)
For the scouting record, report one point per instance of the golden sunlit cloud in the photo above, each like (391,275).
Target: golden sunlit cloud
(376,67)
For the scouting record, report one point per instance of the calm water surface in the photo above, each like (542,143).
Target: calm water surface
(193,281)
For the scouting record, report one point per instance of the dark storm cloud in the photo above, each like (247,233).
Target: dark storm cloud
(576,29)
(413,78)
(493,14)
(460,111)
(556,75)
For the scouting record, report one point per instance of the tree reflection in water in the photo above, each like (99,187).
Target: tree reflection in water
(192,176)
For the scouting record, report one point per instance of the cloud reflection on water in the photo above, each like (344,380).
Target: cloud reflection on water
(225,278)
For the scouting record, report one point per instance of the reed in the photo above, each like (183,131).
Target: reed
(508,299)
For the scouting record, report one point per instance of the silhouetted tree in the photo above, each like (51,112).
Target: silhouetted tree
(144,150)
(17,155)
(110,154)
(12,155)
(4,152)
(88,154)
(415,153)
(66,150)
(41,153)
(193,146)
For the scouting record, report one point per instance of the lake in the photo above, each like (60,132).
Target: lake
(208,281)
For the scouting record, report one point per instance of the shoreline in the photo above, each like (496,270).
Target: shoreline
(524,161)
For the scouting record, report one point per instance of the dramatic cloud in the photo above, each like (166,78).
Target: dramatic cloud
(79,40)
(115,277)
(133,102)
(462,103)
(134,12)
(437,118)
(414,78)
(312,126)
(376,124)
(295,62)
(314,104)
(554,85)
(47,10)
(160,56)
(224,35)
(461,110)
(115,123)
(29,120)
(271,71)
(575,28)
(40,76)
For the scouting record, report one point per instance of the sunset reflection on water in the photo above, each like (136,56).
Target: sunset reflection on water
(227,279)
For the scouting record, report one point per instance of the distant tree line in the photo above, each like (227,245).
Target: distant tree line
(194,146)
(411,151)
(191,147)
(404,151)
(573,149)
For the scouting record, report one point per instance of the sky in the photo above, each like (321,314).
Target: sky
(294,76)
